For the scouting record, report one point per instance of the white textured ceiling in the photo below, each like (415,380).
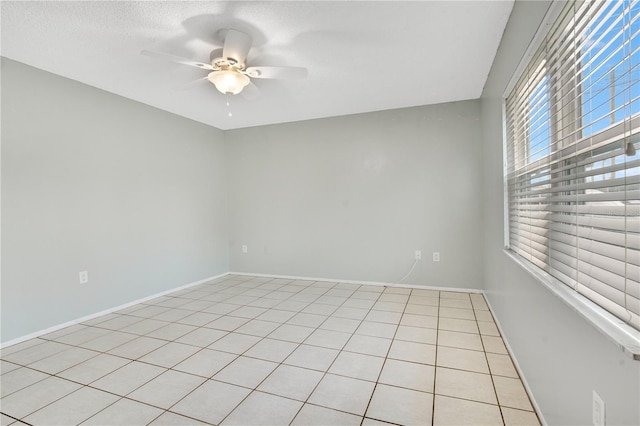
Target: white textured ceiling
(361,55)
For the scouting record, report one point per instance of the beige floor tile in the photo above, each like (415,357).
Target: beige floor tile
(511,393)
(424,300)
(94,368)
(369,345)
(227,323)
(170,354)
(19,378)
(409,375)
(373,422)
(63,360)
(312,415)
(206,362)
(6,366)
(119,322)
(358,366)
(377,329)
(457,313)
(291,382)
(291,333)
(344,325)
(249,312)
(459,412)
(124,412)
(416,334)
(483,316)
(145,326)
(31,398)
(384,316)
(319,309)
(479,303)
(488,328)
(400,406)
(391,297)
(313,357)
(37,352)
(271,350)
(389,306)
(73,408)
(343,393)
(413,352)
(128,378)
(202,337)
(465,385)
(172,331)
(421,310)
(456,339)
(513,417)
(462,359)
(257,328)
(328,339)
(211,402)
(245,371)
(235,343)
(263,409)
(137,347)
(359,303)
(109,341)
(493,344)
(419,321)
(501,365)
(351,313)
(166,389)
(276,315)
(307,320)
(423,292)
(454,295)
(456,303)
(461,325)
(221,308)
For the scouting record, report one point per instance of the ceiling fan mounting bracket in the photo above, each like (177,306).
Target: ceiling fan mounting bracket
(227,64)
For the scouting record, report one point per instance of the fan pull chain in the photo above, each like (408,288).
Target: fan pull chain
(229,107)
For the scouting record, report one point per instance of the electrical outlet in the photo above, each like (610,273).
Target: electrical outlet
(598,410)
(83,277)
(245,249)
(418,254)
(436,256)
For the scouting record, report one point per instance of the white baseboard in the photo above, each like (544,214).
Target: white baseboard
(536,407)
(373,283)
(106,311)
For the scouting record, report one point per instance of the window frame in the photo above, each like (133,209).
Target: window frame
(621,333)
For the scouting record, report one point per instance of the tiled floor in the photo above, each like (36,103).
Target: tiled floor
(253,350)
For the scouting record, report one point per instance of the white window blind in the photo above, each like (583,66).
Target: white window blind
(572,174)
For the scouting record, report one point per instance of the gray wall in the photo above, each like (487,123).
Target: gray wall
(353,197)
(93,181)
(563,357)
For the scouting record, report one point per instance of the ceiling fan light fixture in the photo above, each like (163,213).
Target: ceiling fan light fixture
(228,81)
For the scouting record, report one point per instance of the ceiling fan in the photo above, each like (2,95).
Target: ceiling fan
(229,72)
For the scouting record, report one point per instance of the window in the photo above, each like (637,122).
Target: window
(572,172)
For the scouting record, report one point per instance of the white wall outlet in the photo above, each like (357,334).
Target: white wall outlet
(418,254)
(245,249)
(83,277)
(598,410)
(436,256)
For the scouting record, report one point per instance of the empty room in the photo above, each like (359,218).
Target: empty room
(320,213)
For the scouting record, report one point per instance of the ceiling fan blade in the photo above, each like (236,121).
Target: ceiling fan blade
(250,92)
(192,84)
(177,59)
(236,45)
(284,73)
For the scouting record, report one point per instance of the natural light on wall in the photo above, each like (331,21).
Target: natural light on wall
(572,173)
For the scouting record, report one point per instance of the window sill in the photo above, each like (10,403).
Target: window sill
(626,337)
